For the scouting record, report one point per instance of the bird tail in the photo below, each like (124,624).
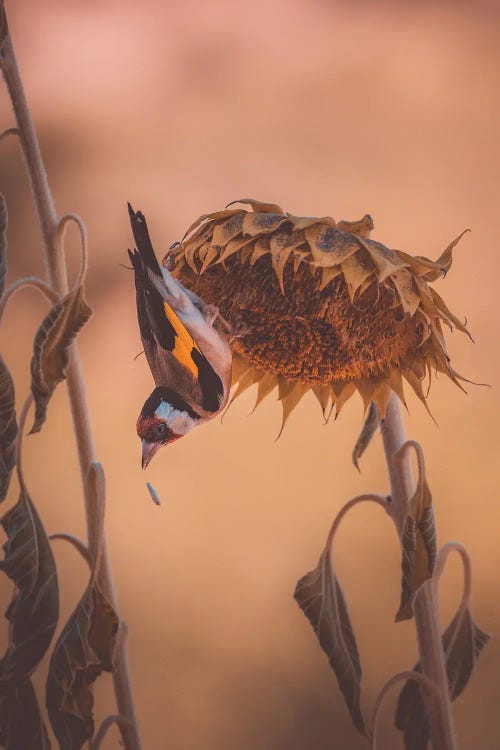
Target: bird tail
(143,241)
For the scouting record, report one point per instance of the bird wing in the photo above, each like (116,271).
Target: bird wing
(172,352)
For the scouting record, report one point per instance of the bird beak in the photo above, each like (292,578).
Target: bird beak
(148,451)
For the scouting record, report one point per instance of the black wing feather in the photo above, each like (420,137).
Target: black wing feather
(211,385)
(143,240)
(154,325)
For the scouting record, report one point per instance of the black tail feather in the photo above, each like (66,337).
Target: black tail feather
(143,240)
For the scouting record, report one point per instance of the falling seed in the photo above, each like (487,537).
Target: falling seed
(154,495)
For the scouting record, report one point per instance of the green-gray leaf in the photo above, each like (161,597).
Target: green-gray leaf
(51,349)
(320,597)
(370,427)
(8,429)
(21,724)
(84,650)
(463,642)
(34,610)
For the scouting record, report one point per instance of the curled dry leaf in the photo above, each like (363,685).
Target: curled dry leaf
(370,427)
(51,349)
(21,724)
(418,542)
(84,650)
(320,597)
(463,642)
(34,610)
(8,429)
(85,647)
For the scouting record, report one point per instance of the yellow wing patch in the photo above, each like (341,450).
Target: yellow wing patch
(184,342)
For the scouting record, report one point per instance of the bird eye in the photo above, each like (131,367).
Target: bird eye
(161,429)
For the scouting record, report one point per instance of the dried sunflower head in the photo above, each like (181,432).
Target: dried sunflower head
(325,307)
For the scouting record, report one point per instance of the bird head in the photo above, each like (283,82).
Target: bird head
(164,418)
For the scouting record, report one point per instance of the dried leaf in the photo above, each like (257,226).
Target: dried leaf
(209,256)
(330,246)
(3,243)
(85,646)
(361,228)
(21,723)
(266,385)
(283,242)
(418,546)
(227,230)
(34,610)
(447,314)
(410,299)
(51,349)
(366,389)
(386,260)
(233,246)
(443,263)
(8,429)
(260,223)
(303,222)
(262,247)
(290,400)
(370,427)
(341,393)
(328,274)
(259,206)
(216,216)
(322,393)
(83,651)
(356,269)
(463,642)
(320,597)
(239,367)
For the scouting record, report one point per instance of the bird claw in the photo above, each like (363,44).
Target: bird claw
(238,331)
(211,314)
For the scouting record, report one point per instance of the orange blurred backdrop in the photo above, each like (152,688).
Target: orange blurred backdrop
(327,108)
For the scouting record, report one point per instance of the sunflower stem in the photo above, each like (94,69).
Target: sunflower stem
(57,276)
(425,607)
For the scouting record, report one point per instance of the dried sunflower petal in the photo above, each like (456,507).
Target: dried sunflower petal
(325,307)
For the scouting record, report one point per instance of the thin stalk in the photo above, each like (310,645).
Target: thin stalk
(57,276)
(425,607)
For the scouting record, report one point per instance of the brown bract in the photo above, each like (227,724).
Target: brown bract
(324,306)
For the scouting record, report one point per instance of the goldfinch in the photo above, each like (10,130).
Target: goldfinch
(188,354)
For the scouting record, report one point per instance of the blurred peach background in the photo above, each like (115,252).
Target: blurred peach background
(325,108)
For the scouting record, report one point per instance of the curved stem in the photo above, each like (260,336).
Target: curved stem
(402,455)
(405,675)
(368,498)
(96,493)
(425,607)
(108,722)
(75,542)
(8,131)
(57,275)
(32,281)
(443,555)
(61,231)
(19,445)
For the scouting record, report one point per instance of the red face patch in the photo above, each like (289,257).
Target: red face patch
(154,430)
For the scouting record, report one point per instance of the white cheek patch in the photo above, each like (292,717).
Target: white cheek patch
(178,421)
